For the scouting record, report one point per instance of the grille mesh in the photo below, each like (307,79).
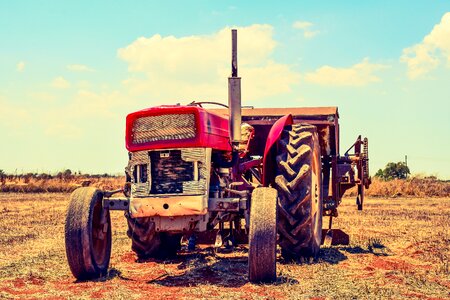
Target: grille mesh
(164,127)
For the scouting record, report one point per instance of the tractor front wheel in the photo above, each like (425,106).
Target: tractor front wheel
(146,242)
(299,185)
(88,234)
(262,235)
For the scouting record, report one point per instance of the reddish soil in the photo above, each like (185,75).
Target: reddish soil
(395,264)
(401,256)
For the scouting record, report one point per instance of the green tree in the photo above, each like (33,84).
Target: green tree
(67,174)
(393,170)
(379,173)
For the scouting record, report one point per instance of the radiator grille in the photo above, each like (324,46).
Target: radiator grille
(164,127)
(169,172)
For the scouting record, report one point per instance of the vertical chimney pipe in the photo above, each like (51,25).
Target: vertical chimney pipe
(234,95)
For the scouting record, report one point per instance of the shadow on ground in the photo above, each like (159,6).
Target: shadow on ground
(206,267)
(376,249)
(112,273)
(230,269)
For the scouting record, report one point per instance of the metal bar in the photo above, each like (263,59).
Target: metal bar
(234,101)
(315,112)
(271,122)
(243,167)
(358,146)
(234,95)
(223,204)
(116,203)
(336,128)
(234,65)
(195,170)
(138,173)
(326,178)
(334,180)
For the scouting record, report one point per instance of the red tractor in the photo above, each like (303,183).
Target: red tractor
(267,174)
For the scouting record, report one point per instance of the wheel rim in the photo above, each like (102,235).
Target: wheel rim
(316,193)
(100,236)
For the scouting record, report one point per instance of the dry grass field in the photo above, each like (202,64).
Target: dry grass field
(415,186)
(24,184)
(399,248)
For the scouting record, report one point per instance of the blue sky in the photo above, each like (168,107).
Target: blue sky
(71,71)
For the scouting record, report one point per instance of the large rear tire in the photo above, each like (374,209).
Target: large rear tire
(299,185)
(147,243)
(263,236)
(88,234)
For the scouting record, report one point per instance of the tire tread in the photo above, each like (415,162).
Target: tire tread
(295,222)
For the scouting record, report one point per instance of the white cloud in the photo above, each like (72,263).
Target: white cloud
(88,103)
(20,66)
(83,111)
(301,25)
(79,68)
(309,34)
(359,74)
(172,69)
(306,28)
(427,55)
(63,130)
(13,116)
(60,83)
(43,97)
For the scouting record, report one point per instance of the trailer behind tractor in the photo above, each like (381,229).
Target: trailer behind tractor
(268,175)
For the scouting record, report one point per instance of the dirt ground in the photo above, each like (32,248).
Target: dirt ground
(399,248)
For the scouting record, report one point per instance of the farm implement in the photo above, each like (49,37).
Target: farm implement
(263,175)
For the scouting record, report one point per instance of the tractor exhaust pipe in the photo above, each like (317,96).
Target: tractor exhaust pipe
(234,95)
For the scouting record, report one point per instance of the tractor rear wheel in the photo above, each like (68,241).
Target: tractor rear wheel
(262,235)
(88,234)
(147,243)
(299,185)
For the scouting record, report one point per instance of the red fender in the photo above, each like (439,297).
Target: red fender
(269,164)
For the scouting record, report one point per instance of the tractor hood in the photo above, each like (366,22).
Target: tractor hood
(176,126)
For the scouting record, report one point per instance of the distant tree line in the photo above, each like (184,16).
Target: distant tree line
(393,170)
(62,175)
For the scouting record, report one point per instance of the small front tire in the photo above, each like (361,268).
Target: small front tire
(263,236)
(88,234)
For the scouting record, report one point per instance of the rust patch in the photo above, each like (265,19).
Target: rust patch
(168,206)
(325,140)
(276,111)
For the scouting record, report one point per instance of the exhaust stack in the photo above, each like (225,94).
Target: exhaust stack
(234,95)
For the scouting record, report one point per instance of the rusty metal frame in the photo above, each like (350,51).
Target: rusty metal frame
(116,203)
(344,177)
(173,206)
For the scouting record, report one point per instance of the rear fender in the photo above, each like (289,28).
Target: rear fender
(269,163)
